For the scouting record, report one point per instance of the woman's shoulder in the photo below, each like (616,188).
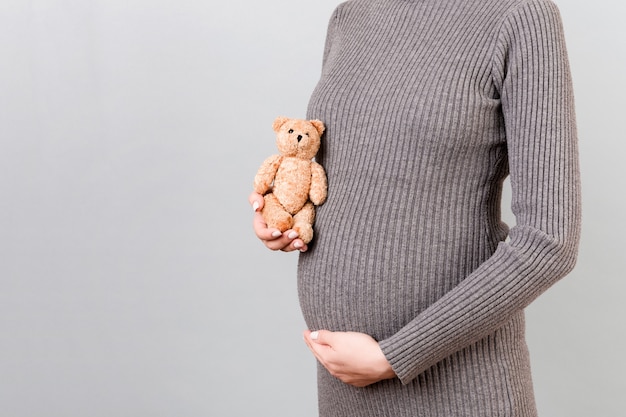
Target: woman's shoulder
(348,5)
(351,8)
(511,6)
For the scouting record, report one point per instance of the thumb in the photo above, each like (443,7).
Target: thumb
(256,200)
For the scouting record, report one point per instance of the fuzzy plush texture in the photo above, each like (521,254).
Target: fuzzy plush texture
(428,106)
(291,182)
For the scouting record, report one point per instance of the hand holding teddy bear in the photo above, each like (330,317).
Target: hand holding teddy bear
(291,183)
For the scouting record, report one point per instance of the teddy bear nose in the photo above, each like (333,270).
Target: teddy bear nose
(299,138)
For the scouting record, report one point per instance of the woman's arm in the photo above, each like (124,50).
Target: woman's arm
(532,73)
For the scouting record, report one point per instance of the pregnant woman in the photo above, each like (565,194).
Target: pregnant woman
(413,288)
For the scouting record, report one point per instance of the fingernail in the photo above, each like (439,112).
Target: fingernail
(276,233)
(255,205)
(293,235)
(297,245)
(315,335)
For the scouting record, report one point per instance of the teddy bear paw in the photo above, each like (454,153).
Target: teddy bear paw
(279,219)
(305,232)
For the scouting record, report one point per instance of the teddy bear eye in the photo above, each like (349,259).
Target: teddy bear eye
(290,131)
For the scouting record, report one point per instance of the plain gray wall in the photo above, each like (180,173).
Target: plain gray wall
(130,281)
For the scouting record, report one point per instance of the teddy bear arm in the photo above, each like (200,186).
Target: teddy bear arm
(266,174)
(319,184)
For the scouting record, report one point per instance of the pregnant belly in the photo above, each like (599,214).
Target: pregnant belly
(377,273)
(375,287)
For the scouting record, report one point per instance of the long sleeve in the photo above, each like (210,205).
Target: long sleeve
(531,73)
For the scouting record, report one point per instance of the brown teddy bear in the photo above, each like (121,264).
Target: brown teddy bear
(292,184)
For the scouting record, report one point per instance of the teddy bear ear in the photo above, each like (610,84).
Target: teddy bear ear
(319,126)
(279,122)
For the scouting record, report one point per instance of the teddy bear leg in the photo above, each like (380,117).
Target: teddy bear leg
(275,215)
(303,222)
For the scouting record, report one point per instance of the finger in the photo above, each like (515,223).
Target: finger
(287,242)
(306,335)
(317,350)
(322,337)
(313,341)
(262,231)
(256,200)
(274,239)
(283,243)
(296,244)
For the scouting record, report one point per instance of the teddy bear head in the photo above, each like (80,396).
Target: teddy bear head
(298,138)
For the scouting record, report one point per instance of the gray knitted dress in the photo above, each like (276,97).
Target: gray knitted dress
(429,105)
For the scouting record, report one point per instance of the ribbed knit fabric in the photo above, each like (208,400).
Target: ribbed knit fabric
(429,105)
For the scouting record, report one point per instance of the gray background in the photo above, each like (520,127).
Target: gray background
(130,281)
